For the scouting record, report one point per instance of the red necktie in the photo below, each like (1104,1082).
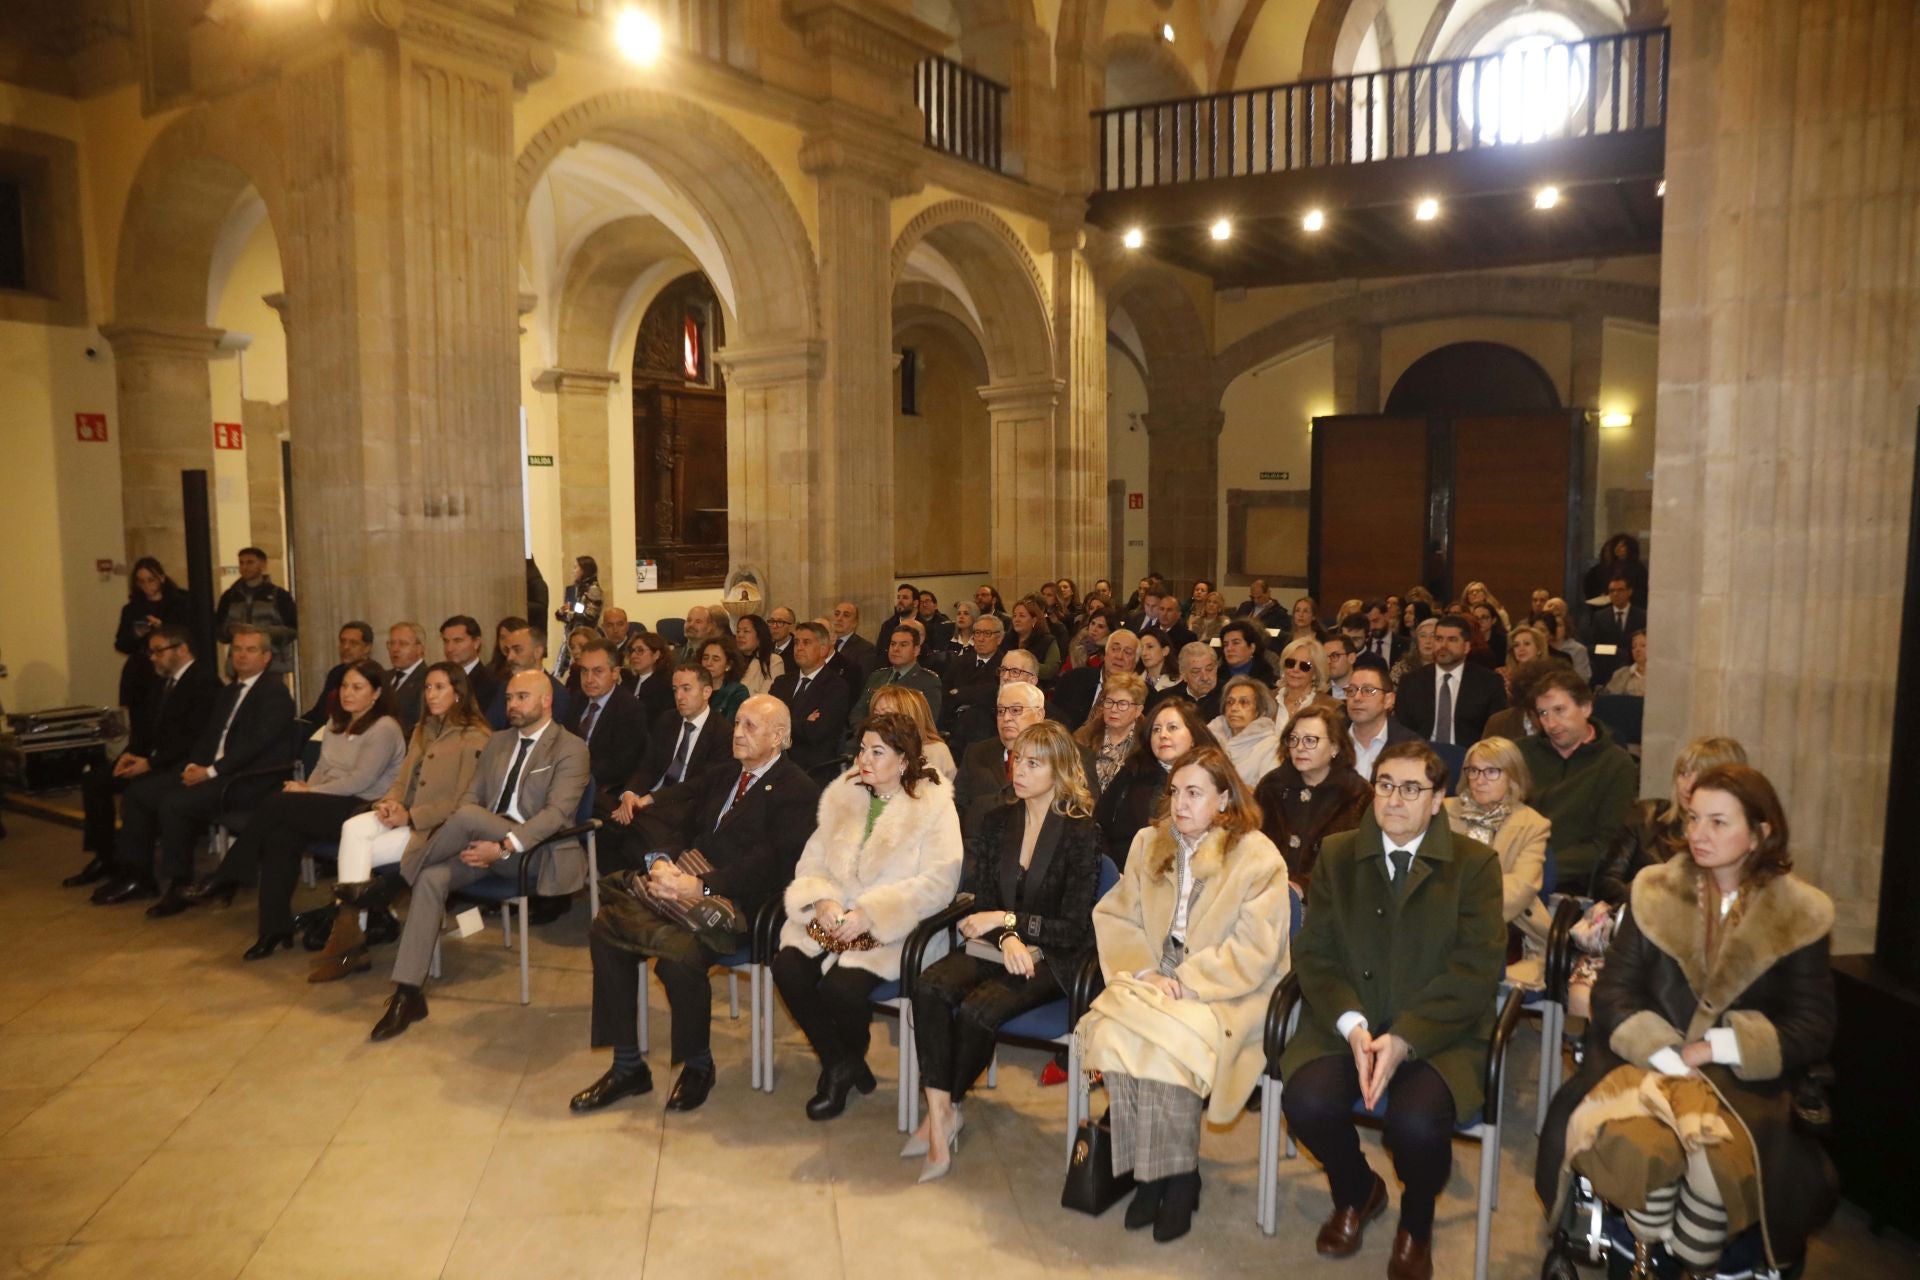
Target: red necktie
(1009,766)
(746,780)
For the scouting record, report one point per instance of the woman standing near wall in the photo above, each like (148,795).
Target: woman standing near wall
(153,601)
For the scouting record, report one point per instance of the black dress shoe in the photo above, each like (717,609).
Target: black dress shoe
(404,1008)
(543,909)
(691,1089)
(1177,1207)
(612,1087)
(93,873)
(213,889)
(842,1079)
(382,927)
(267,945)
(1145,1205)
(115,892)
(171,903)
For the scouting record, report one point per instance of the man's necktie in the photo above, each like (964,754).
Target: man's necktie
(800,686)
(586,721)
(505,802)
(678,769)
(1443,718)
(1620,619)
(1402,864)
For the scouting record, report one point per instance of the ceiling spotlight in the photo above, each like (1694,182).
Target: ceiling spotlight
(1546,197)
(637,35)
(1166,32)
(1134,238)
(1221,230)
(1427,210)
(1660,188)
(1314,220)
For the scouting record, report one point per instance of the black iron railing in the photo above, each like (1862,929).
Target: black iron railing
(1591,88)
(964,111)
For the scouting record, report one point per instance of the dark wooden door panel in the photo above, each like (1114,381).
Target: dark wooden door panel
(1369,525)
(1511,485)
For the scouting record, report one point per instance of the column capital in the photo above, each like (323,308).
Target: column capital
(180,342)
(766,364)
(458,27)
(576,382)
(1025,396)
(864,155)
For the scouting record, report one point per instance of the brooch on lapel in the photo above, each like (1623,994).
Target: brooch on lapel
(1306,793)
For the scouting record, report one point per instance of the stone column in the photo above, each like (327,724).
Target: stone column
(266,427)
(165,427)
(1356,369)
(586,516)
(1025,481)
(773,507)
(1183,491)
(1789,373)
(1583,392)
(1080,454)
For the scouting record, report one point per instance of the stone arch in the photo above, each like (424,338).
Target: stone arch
(920,302)
(597,293)
(753,216)
(1016,330)
(1153,66)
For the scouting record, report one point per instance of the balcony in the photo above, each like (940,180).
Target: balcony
(1478,136)
(965,112)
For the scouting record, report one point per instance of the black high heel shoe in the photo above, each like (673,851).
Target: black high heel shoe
(841,1080)
(212,889)
(268,944)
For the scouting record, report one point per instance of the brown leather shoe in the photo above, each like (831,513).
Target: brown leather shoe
(1340,1234)
(1411,1259)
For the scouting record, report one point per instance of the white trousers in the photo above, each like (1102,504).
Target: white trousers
(366,843)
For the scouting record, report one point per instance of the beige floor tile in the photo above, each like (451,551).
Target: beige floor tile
(609,1245)
(186,1192)
(150,1055)
(219,1256)
(567,1173)
(431,1107)
(48,1198)
(51,1058)
(392,1250)
(91,1006)
(379,1181)
(298,1111)
(84,1120)
(540,1105)
(17,1104)
(792,1234)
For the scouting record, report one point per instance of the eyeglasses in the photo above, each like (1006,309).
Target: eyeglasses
(157,649)
(1306,743)
(1007,713)
(1385,788)
(1299,664)
(984,632)
(1487,771)
(1363,690)
(1118,704)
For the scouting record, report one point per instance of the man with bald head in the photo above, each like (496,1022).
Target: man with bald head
(747,821)
(853,658)
(526,787)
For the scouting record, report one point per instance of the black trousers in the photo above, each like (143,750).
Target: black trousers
(99,792)
(159,806)
(278,832)
(958,1004)
(1318,1103)
(680,961)
(831,1008)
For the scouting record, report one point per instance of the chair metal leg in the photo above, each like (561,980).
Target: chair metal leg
(733,995)
(907,1110)
(993,1070)
(306,870)
(1488,1190)
(768,1002)
(1550,1024)
(643,1004)
(1079,1102)
(506,924)
(1265,1176)
(526,988)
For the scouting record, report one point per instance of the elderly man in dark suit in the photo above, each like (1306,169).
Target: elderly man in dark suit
(816,698)
(407,671)
(248,728)
(526,787)
(1399,962)
(984,781)
(748,820)
(854,658)
(178,704)
(1449,700)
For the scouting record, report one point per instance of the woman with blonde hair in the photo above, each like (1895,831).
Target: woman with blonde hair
(1248,727)
(1192,942)
(912,704)
(1418,654)
(1112,731)
(1477,593)
(1032,870)
(1493,810)
(1209,618)
(1303,676)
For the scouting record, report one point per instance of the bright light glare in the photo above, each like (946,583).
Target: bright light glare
(638,36)
(1221,230)
(1427,210)
(1166,32)
(1528,92)
(1314,220)
(1546,197)
(1134,238)
(1616,419)
(1661,190)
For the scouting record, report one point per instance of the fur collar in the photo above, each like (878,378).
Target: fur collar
(1208,858)
(843,810)
(1776,920)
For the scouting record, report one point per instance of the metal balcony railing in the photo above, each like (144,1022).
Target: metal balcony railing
(964,111)
(1590,88)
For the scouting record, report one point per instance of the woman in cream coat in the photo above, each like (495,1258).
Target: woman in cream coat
(1494,811)
(885,855)
(1193,941)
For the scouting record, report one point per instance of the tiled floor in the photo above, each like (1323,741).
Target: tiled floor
(167,1110)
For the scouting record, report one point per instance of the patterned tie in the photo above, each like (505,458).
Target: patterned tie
(1443,719)
(586,721)
(739,792)
(505,802)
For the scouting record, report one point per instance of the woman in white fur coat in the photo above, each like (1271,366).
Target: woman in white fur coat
(885,855)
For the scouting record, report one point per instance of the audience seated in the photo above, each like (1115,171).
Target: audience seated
(853,658)
(1192,942)
(971,677)
(1371,725)
(1475,595)
(699,625)
(1489,647)
(1560,638)
(1113,731)
(526,787)
(898,699)
(723,663)
(885,854)
(360,754)
(1306,619)
(460,644)
(1515,720)
(1248,728)
(1492,808)
(179,699)
(1207,617)
(406,663)
(1260,608)
(354,645)
(1527,643)
(1089,643)
(1164,618)
(1136,796)
(761,665)
(1382,641)
(1399,961)
(1338,651)
(903,668)
(1315,793)
(432,780)
(1075,693)
(960,641)
(1584,782)
(617,630)
(726,841)
(906,604)
(1419,651)
(1031,632)
(816,698)
(1449,700)
(939,627)
(1032,871)
(682,744)
(1156,662)
(647,676)
(1610,629)
(613,727)
(246,729)
(985,778)
(1199,681)
(1630,680)
(1715,1002)
(1303,676)
(523,649)
(780,624)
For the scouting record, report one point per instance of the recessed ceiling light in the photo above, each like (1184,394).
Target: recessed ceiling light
(1134,238)
(1166,32)
(1221,230)
(1314,220)
(1661,188)
(1427,210)
(637,35)
(1546,197)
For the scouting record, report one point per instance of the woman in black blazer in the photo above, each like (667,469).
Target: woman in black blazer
(648,676)
(1131,801)
(1032,871)
(153,601)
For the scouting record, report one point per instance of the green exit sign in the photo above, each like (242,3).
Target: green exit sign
(539,459)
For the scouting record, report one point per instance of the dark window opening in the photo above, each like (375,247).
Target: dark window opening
(13,236)
(910,382)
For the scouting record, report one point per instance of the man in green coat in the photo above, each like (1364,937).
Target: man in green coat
(1399,961)
(1584,782)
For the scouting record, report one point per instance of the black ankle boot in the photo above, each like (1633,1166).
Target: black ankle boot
(1177,1207)
(842,1078)
(1145,1205)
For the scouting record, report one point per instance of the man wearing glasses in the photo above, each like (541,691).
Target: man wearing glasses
(178,704)
(1370,719)
(968,683)
(1399,961)
(984,781)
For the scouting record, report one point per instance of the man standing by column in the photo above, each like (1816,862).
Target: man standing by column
(256,601)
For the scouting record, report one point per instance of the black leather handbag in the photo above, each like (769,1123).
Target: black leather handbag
(1092,1186)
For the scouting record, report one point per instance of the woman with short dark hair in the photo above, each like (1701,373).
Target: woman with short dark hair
(723,661)
(1316,792)
(1136,794)
(153,601)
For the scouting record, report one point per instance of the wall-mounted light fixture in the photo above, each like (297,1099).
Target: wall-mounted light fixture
(1616,418)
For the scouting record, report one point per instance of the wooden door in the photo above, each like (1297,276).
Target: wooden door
(1368,531)
(1514,510)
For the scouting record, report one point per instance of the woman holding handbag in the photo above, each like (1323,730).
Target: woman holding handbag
(1032,871)
(1193,941)
(885,855)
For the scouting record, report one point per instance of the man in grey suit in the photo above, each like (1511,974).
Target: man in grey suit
(527,786)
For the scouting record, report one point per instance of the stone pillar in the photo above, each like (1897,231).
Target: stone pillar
(1183,491)
(1356,369)
(1080,454)
(1025,481)
(586,516)
(1789,373)
(1583,392)
(266,427)
(165,427)
(773,508)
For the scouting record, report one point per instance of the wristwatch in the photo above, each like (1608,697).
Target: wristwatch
(1010,922)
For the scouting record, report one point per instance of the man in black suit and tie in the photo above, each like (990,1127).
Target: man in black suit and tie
(1448,701)
(407,671)
(460,643)
(525,651)
(906,604)
(1163,620)
(1610,631)
(780,621)
(248,727)
(968,683)
(355,645)
(1077,691)
(816,699)
(614,728)
(853,658)
(1388,645)
(1260,608)
(178,704)
(683,743)
(748,819)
